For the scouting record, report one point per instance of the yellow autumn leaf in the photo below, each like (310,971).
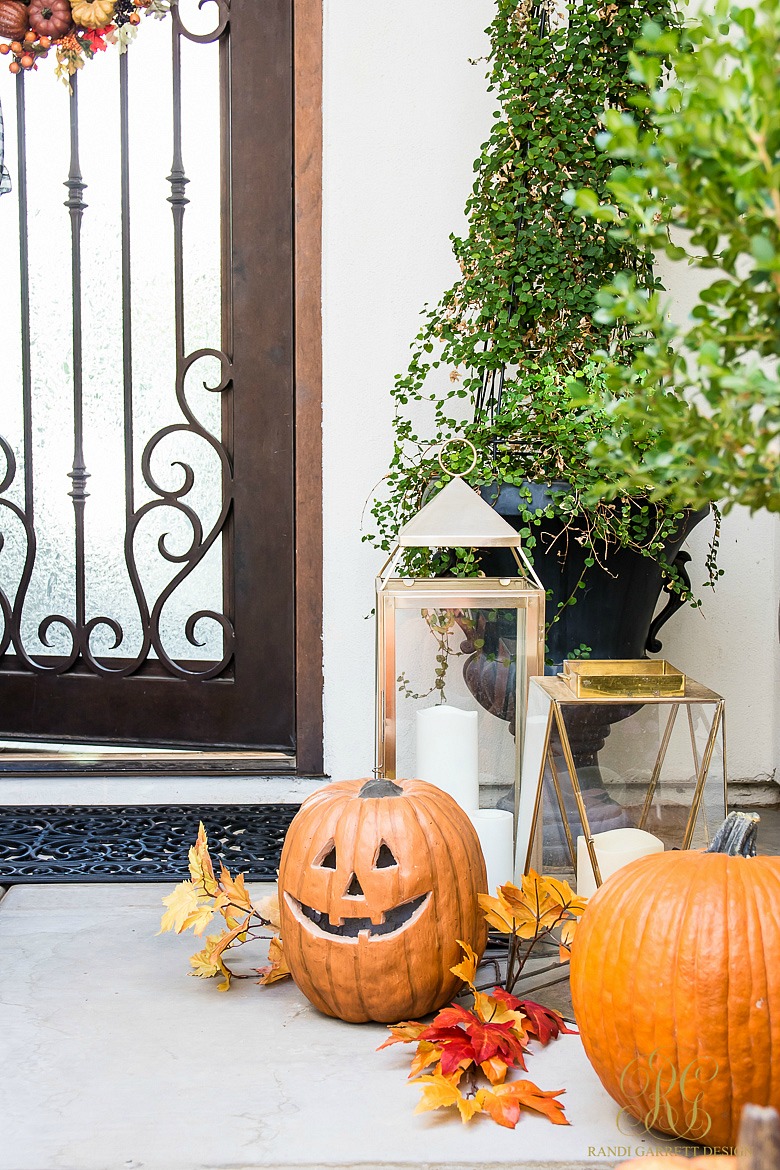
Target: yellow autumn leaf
(207,964)
(495,1070)
(405,1032)
(496,913)
(230,936)
(201,869)
(234,890)
(427,1054)
(557,900)
(268,909)
(188,908)
(568,930)
(277,968)
(440,1093)
(538,905)
(529,900)
(504,1103)
(494,1011)
(560,891)
(467,967)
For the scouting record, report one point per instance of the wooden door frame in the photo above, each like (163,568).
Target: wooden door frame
(307,123)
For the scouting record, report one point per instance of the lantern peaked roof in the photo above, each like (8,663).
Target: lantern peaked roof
(458,517)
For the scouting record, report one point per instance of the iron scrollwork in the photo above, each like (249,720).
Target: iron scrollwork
(82,629)
(223,18)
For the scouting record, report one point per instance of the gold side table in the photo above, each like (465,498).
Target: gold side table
(618,745)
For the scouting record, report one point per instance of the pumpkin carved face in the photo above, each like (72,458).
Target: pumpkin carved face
(377,883)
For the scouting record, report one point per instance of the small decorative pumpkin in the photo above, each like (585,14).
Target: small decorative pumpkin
(675,980)
(377,882)
(50,18)
(93,13)
(13,19)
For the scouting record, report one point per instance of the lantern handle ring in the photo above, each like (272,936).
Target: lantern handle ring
(474,461)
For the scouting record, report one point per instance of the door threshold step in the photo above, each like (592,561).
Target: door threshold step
(174,788)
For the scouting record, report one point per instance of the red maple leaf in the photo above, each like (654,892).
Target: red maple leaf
(95,37)
(462,1036)
(455,1046)
(545,1024)
(450,1017)
(491,1040)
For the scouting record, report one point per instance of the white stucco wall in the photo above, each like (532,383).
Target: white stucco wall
(405,114)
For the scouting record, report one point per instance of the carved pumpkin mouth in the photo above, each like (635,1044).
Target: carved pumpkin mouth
(350,929)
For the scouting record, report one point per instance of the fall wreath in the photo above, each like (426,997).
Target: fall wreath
(74,29)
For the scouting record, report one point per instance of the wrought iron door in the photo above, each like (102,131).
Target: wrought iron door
(146,497)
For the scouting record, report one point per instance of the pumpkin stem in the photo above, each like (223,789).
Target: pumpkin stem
(737,835)
(380,787)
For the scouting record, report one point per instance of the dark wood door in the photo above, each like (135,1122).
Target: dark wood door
(174,624)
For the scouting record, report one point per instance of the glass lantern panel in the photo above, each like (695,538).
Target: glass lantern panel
(656,766)
(451,660)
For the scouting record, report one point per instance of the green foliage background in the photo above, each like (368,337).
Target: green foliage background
(701,155)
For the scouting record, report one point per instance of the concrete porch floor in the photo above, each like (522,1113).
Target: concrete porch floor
(114,1058)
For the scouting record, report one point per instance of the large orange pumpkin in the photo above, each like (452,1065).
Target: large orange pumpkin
(377,881)
(675,979)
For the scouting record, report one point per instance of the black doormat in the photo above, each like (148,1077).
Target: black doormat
(147,843)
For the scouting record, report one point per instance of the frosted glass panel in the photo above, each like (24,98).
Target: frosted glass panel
(139,480)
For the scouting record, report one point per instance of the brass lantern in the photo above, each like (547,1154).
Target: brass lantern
(621,758)
(454,657)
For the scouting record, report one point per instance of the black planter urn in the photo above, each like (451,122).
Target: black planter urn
(614,611)
(613,616)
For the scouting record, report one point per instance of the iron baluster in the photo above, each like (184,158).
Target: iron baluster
(79,474)
(24,286)
(177,198)
(127,304)
(13,620)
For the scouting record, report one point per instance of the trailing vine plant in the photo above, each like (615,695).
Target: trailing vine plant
(501,359)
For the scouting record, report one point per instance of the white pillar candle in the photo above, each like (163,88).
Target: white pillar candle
(614,849)
(447,752)
(494,829)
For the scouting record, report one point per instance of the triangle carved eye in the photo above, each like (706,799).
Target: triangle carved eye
(327,857)
(384,858)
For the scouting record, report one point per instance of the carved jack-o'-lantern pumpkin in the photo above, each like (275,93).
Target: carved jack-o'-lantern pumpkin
(377,882)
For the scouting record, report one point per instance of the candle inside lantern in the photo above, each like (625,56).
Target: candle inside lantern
(448,751)
(494,829)
(614,849)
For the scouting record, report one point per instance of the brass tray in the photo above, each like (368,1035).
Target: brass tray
(626,678)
